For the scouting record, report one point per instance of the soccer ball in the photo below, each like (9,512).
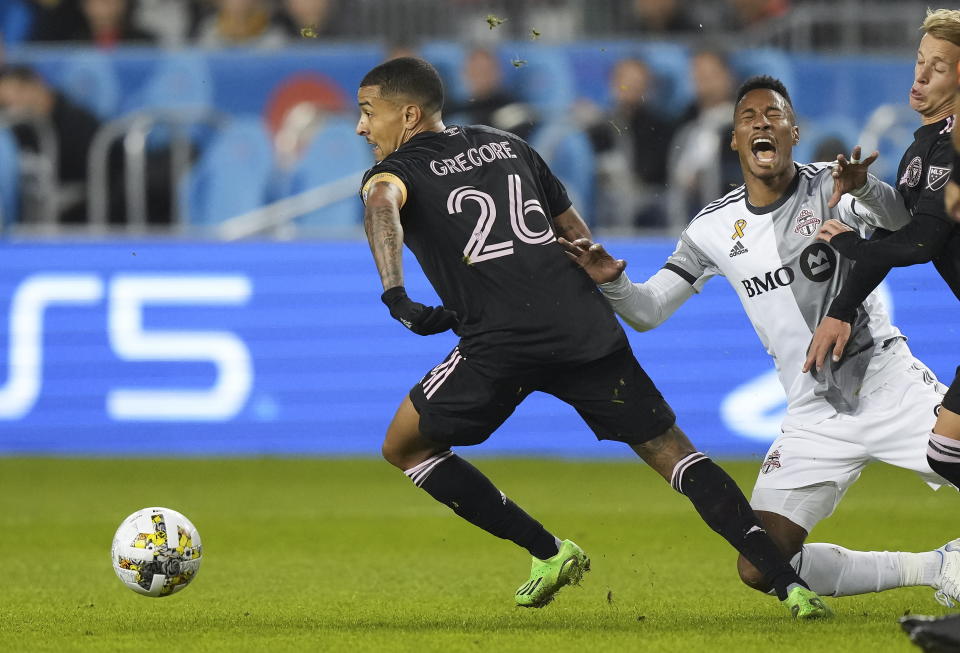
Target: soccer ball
(156,552)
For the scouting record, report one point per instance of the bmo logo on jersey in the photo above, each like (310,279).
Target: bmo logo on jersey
(771,281)
(125,298)
(817,263)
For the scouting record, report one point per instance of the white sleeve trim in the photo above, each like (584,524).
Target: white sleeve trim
(647,305)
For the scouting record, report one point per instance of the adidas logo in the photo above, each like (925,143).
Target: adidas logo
(738,249)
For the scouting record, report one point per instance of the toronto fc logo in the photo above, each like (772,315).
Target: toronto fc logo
(807,223)
(771,463)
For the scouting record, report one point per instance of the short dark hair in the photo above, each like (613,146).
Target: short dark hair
(409,76)
(767,82)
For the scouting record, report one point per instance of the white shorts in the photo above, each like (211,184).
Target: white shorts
(810,467)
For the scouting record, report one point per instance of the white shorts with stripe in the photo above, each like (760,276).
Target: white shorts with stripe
(810,467)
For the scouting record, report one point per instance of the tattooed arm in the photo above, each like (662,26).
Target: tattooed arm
(570,226)
(381,222)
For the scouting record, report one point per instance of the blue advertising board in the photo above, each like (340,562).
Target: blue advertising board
(185,348)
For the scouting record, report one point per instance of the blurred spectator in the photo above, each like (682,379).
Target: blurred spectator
(108,23)
(631,143)
(241,23)
(742,14)
(828,148)
(660,16)
(56,20)
(49,127)
(169,20)
(36,111)
(489,102)
(103,23)
(702,166)
(633,16)
(309,19)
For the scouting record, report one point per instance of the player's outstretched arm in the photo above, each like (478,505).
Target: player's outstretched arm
(878,203)
(641,305)
(381,222)
(849,174)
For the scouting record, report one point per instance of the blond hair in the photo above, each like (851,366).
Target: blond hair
(943,24)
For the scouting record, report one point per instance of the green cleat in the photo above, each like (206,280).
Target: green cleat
(805,604)
(548,576)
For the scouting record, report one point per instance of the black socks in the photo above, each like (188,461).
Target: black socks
(453,481)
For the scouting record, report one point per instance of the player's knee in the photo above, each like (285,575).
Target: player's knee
(391,454)
(751,576)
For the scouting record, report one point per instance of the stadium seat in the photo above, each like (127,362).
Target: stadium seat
(182,87)
(334,153)
(232,175)
(814,132)
(180,81)
(568,152)
(16,22)
(889,130)
(88,78)
(9,179)
(540,76)
(765,61)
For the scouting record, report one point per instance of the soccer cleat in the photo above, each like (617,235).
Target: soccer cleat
(933,634)
(548,576)
(805,604)
(948,581)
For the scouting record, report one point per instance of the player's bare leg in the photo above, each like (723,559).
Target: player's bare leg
(726,510)
(832,570)
(454,482)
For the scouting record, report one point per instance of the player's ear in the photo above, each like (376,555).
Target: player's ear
(411,115)
(733,140)
(796,134)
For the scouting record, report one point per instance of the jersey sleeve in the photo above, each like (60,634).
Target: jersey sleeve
(554,190)
(388,171)
(690,262)
(939,166)
(876,204)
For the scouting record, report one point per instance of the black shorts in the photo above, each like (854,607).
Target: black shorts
(951,400)
(460,406)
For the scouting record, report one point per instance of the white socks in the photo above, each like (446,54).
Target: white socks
(832,570)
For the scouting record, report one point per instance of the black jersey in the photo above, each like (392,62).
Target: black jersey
(923,174)
(478,215)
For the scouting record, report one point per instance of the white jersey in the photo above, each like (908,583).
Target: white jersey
(786,279)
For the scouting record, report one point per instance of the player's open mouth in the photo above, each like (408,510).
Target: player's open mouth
(764,150)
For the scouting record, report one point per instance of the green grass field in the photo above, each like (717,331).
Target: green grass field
(346,555)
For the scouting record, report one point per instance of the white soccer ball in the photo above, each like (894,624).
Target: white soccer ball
(156,552)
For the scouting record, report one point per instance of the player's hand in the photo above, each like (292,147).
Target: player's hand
(849,174)
(951,198)
(831,334)
(422,320)
(594,259)
(831,228)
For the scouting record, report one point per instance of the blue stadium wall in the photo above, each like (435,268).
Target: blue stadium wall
(123,348)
